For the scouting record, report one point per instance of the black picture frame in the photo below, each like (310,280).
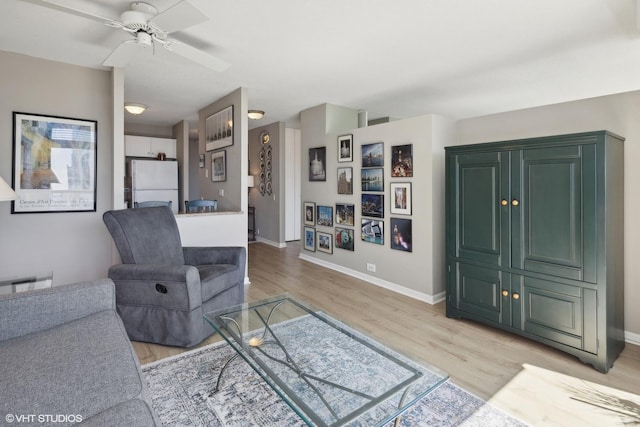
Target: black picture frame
(372,231)
(372,155)
(219,166)
(324,216)
(309,214)
(400,198)
(402,161)
(345,148)
(372,179)
(401,234)
(345,180)
(310,239)
(54,164)
(318,164)
(324,242)
(372,205)
(345,214)
(344,239)
(219,129)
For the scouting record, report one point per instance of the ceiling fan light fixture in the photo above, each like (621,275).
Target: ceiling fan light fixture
(135,109)
(255,114)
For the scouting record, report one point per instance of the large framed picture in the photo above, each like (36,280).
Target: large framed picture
(372,155)
(344,238)
(54,164)
(401,198)
(324,242)
(345,148)
(402,160)
(345,180)
(219,129)
(401,234)
(219,166)
(310,239)
(309,213)
(317,164)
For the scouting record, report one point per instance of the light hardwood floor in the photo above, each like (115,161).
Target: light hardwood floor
(479,359)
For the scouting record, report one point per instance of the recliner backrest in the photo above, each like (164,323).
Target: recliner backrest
(146,236)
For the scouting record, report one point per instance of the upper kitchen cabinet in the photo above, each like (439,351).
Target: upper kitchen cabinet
(144,146)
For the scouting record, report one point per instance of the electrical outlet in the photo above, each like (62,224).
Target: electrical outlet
(371,267)
(221,192)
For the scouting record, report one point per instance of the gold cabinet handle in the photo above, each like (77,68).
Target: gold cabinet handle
(504,202)
(505,293)
(516,295)
(514,202)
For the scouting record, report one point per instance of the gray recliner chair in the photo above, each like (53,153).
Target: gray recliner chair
(162,288)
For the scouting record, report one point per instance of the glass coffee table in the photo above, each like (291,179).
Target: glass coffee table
(328,373)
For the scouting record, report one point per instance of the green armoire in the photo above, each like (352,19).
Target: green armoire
(535,240)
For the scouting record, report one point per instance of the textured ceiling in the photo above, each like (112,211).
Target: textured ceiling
(458,58)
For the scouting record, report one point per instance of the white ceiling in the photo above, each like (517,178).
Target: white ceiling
(402,58)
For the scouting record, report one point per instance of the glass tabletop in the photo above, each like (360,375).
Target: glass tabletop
(327,372)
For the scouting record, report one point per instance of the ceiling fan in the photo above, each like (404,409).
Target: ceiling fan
(149,28)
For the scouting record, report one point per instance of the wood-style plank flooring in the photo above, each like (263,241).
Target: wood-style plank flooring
(479,359)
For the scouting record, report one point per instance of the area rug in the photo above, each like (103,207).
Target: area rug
(181,388)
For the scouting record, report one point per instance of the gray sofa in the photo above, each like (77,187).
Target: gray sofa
(65,357)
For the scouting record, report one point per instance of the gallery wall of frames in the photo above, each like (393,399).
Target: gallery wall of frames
(384,205)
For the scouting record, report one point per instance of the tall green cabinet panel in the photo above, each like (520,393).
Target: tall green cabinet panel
(534,243)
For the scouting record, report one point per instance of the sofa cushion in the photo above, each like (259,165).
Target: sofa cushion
(217,278)
(133,412)
(79,368)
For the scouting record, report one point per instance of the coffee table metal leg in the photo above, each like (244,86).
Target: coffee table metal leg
(231,359)
(404,396)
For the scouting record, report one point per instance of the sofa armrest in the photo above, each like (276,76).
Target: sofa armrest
(232,255)
(32,311)
(168,286)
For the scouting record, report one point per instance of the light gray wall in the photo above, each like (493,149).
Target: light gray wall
(616,113)
(269,208)
(75,246)
(414,272)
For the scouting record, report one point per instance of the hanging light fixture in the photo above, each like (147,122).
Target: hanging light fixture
(256,114)
(135,108)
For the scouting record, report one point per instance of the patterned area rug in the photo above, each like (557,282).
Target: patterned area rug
(181,385)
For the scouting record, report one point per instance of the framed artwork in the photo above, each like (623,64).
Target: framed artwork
(344,238)
(201,161)
(54,164)
(401,198)
(401,234)
(219,129)
(372,230)
(373,205)
(345,148)
(219,166)
(324,216)
(345,180)
(345,214)
(309,213)
(372,179)
(402,161)
(324,242)
(317,164)
(372,155)
(310,239)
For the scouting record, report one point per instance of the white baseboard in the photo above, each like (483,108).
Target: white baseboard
(632,338)
(271,242)
(429,299)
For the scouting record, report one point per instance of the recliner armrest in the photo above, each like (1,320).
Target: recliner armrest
(28,312)
(233,255)
(168,286)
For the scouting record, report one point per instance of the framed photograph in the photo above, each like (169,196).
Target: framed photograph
(309,213)
(219,129)
(324,216)
(401,234)
(345,180)
(372,179)
(201,161)
(372,230)
(324,242)
(345,214)
(310,239)
(372,155)
(402,161)
(401,198)
(54,164)
(373,205)
(317,164)
(219,166)
(345,148)
(344,238)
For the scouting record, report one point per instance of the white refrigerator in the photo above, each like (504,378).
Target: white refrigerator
(154,180)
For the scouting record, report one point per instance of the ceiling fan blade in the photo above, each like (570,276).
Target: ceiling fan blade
(178,17)
(123,54)
(197,56)
(62,8)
